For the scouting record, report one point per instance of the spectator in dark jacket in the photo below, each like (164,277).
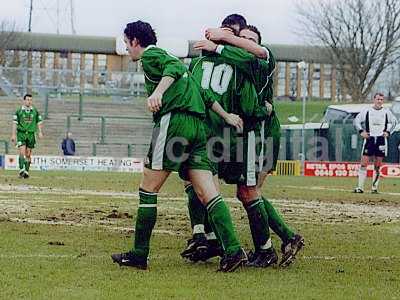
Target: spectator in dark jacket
(68,145)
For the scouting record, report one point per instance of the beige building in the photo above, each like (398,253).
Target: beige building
(70,63)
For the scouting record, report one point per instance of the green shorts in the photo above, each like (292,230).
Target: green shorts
(26,138)
(242,168)
(271,130)
(178,144)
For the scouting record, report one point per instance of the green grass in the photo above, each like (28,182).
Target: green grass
(351,241)
(314,110)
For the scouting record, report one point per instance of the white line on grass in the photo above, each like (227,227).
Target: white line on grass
(350,257)
(324,188)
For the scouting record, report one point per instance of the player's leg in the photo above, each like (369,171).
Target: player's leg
(381,149)
(214,247)
(21,144)
(21,160)
(203,244)
(243,173)
(376,175)
(30,144)
(157,169)
(264,254)
(197,214)
(28,159)
(367,150)
(145,219)
(146,216)
(220,219)
(200,171)
(291,241)
(362,174)
(275,220)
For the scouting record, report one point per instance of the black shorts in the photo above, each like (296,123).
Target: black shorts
(375,146)
(242,167)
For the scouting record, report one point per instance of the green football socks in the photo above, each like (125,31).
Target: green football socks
(145,221)
(27,165)
(258,221)
(21,162)
(276,222)
(221,221)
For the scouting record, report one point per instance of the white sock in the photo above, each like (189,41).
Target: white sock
(362,174)
(199,228)
(267,245)
(211,236)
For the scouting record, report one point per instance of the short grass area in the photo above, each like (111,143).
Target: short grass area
(58,229)
(315,110)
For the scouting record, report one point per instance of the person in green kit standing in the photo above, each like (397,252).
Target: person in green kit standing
(26,122)
(258,64)
(178,144)
(237,158)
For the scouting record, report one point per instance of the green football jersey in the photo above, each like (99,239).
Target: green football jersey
(27,119)
(227,85)
(260,71)
(183,94)
(268,92)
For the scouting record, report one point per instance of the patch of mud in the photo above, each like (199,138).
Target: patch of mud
(172,214)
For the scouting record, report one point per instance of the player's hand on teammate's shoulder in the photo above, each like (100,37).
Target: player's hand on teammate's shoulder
(364,134)
(154,102)
(205,45)
(218,34)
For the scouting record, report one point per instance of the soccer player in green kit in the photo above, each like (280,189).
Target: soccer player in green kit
(26,122)
(178,144)
(236,95)
(261,74)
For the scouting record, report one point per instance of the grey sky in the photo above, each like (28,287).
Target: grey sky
(171,18)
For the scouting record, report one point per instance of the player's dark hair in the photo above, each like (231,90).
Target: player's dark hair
(234,19)
(235,32)
(379,94)
(255,30)
(27,95)
(142,31)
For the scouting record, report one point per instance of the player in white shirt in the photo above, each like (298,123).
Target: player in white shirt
(374,124)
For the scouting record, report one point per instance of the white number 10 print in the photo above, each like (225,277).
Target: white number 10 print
(217,78)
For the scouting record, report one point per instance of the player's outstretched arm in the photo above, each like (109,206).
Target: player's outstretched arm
(219,34)
(245,61)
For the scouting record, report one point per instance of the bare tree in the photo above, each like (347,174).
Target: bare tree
(7,35)
(362,37)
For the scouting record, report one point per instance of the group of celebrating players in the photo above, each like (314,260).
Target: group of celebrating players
(213,120)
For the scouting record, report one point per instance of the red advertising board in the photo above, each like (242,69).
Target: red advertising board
(346,169)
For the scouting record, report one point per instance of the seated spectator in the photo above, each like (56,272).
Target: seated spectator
(68,145)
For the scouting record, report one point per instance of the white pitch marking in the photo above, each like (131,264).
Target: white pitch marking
(324,188)
(349,257)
